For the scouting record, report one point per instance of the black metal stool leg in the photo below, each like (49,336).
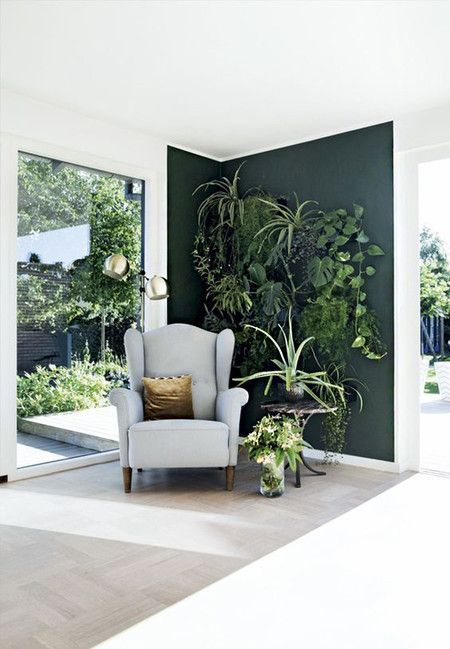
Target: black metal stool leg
(298,481)
(309,467)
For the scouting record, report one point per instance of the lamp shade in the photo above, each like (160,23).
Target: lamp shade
(116,266)
(157,288)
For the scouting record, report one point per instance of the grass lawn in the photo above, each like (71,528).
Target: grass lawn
(431,386)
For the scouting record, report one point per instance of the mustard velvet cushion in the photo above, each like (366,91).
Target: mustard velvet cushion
(168,397)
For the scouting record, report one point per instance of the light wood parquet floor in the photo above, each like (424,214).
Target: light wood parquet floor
(81,560)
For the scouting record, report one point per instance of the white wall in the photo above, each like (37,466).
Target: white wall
(37,127)
(43,122)
(422,129)
(418,137)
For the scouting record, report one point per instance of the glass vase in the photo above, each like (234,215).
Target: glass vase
(272,479)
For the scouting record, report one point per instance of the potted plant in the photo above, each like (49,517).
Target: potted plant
(294,381)
(274,440)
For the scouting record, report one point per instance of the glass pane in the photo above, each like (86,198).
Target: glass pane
(71,318)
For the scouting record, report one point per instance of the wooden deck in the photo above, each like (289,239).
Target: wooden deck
(48,438)
(95,429)
(34,449)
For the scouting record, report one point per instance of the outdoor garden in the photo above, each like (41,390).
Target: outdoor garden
(435,314)
(71,317)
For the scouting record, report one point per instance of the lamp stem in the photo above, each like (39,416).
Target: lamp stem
(142,295)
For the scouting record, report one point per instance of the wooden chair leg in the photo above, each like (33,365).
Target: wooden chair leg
(230,477)
(126,473)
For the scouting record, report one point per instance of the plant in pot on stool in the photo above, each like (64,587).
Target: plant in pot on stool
(274,440)
(295,382)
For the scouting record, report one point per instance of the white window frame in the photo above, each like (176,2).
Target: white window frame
(155,263)
(407,301)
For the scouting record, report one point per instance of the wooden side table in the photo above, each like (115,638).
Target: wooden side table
(301,411)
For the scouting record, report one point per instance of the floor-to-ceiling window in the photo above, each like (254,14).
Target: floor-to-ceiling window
(70,316)
(434,217)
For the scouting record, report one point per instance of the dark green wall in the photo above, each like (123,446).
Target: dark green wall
(185,172)
(336,171)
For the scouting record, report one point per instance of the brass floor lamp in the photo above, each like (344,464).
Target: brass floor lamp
(117,267)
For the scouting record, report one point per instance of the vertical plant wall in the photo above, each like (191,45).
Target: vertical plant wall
(330,260)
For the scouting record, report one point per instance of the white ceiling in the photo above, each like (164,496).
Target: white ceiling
(227,77)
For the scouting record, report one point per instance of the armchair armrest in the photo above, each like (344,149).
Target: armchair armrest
(130,410)
(228,410)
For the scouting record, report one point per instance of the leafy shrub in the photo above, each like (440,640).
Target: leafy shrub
(83,385)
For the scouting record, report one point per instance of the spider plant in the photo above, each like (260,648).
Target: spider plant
(350,384)
(315,384)
(284,223)
(225,200)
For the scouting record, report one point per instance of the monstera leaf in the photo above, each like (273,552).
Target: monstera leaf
(321,270)
(274,297)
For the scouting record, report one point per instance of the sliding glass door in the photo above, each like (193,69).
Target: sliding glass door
(70,316)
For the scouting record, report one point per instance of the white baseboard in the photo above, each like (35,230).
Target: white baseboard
(353,460)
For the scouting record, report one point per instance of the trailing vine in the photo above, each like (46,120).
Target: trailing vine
(341,271)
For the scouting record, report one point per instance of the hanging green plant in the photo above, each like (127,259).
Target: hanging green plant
(334,428)
(327,319)
(335,424)
(283,224)
(343,269)
(244,282)
(224,204)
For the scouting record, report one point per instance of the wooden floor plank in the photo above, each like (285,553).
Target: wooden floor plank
(82,561)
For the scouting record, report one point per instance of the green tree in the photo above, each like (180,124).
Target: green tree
(42,300)
(434,275)
(50,198)
(114,228)
(434,279)
(432,247)
(434,290)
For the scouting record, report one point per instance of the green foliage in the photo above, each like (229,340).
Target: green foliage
(223,204)
(434,289)
(434,275)
(49,200)
(243,283)
(55,195)
(229,295)
(42,300)
(276,438)
(327,319)
(432,247)
(334,427)
(341,269)
(283,224)
(369,331)
(114,227)
(245,252)
(256,215)
(288,364)
(83,385)
(334,424)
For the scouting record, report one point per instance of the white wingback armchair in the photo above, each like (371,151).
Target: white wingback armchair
(208,440)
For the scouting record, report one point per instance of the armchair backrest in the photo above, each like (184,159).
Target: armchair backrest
(183,349)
